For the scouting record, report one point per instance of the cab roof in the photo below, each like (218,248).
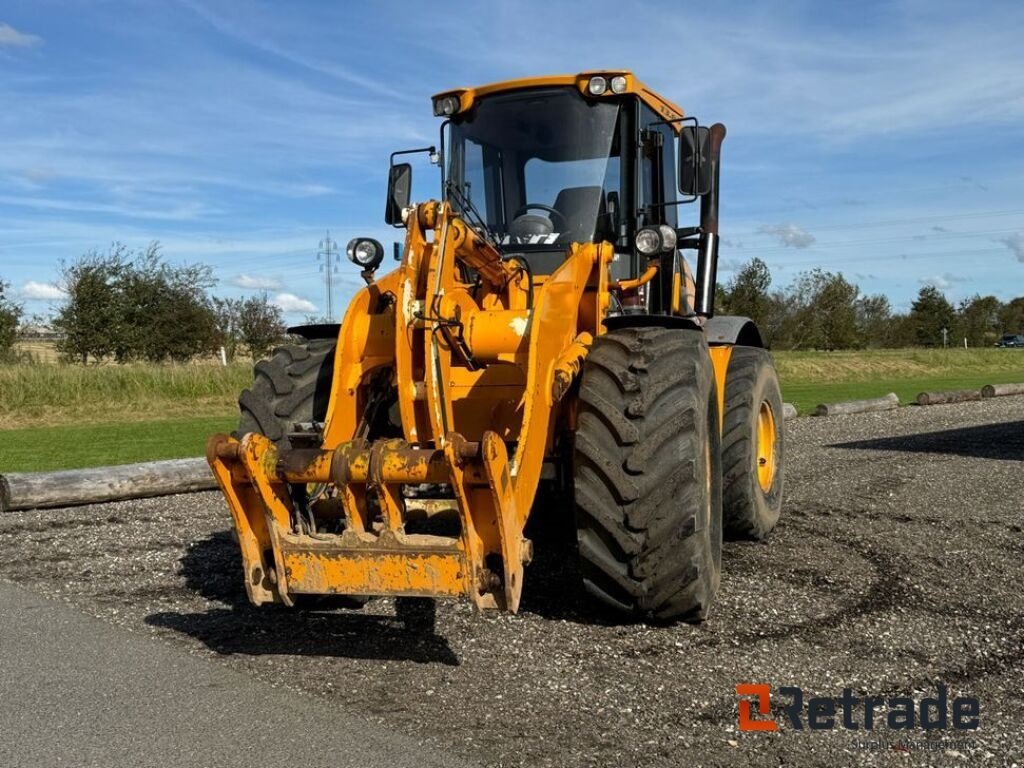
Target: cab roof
(661,105)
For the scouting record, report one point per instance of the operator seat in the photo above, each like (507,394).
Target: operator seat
(579,205)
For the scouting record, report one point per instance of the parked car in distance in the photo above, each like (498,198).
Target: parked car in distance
(1011,340)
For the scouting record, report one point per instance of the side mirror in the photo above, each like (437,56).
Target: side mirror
(694,168)
(399,192)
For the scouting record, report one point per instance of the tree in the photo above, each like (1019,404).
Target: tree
(1011,316)
(135,307)
(836,303)
(317,320)
(167,315)
(227,316)
(91,321)
(874,321)
(929,314)
(261,325)
(747,293)
(977,320)
(820,312)
(10,316)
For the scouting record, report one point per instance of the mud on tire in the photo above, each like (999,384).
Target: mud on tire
(750,510)
(646,475)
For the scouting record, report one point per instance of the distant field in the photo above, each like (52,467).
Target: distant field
(57,416)
(49,395)
(810,378)
(40,350)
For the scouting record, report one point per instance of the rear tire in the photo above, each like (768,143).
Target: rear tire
(647,475)
(293,386)
(752,472)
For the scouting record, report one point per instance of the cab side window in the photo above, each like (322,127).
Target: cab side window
(658,169)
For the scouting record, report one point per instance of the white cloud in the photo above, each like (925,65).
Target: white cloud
(289,302)
(10,36)
(254,282)
(943,282)
(789,234)
(1015,243)
(41,291)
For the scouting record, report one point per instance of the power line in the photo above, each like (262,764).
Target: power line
(328,257)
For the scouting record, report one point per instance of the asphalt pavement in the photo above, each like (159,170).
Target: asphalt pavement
(76,691)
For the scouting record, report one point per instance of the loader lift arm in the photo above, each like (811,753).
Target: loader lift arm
(444,441)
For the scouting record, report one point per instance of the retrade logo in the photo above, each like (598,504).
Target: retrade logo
(762,693)
(818,713)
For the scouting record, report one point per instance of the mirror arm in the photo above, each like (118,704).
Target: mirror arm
(431,150)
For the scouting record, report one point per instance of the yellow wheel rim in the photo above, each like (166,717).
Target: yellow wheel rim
(766,442)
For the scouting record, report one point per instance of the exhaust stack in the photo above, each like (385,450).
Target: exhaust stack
(707,254)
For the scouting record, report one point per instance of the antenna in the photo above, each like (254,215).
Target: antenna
(327,256)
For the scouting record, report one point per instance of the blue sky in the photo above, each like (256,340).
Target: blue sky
(885,140)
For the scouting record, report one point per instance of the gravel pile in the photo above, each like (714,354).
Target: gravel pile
(897,566)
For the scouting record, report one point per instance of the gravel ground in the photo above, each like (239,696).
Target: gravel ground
(896,567)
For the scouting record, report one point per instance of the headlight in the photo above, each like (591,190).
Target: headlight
(668,237)
(446,106)
(365,252)
(650,241)
(597,86)
(618,84)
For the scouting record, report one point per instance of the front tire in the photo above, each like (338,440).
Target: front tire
(647,475)
(293,386)
(753,445)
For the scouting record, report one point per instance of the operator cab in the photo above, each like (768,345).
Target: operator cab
(538,165)
(543,168)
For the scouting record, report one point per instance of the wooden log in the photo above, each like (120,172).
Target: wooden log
(887,403)
(943,398)
(1001,390)
(788,411)
(39,490)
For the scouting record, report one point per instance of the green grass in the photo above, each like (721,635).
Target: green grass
(811,378)
(65,416)
(40,449)
(44,394)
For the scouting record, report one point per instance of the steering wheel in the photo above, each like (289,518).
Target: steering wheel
(551,211)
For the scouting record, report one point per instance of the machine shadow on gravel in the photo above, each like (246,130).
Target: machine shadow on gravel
(987,441)
(211,568)
(555,564)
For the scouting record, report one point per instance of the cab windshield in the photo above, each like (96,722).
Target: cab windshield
(537,168)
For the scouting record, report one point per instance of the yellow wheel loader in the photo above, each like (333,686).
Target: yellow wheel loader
(543,329)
